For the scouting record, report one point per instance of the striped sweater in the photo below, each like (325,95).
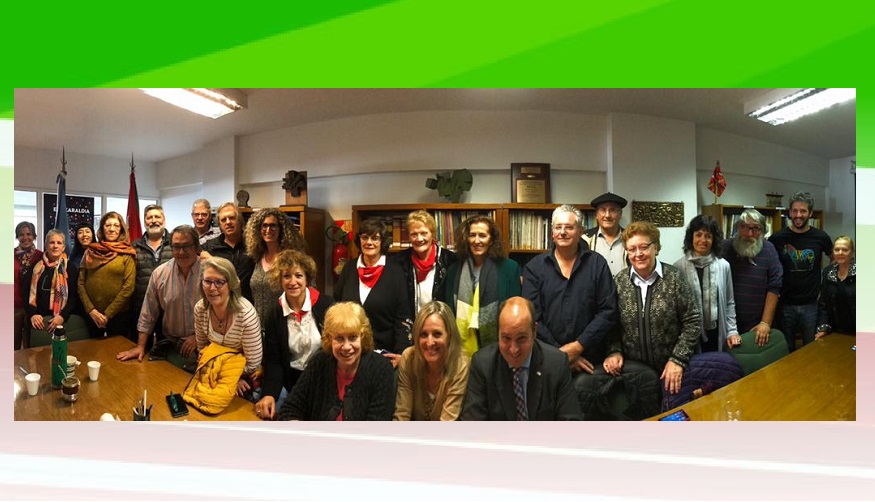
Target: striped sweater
(244,333)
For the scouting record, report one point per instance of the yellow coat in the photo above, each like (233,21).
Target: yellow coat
(214,384)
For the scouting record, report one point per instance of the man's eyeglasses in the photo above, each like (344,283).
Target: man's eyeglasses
(181,247)
(608,210)
(200,215)
(640,249)
(564,228)
(218,283)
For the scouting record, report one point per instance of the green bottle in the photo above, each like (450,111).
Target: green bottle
(59,356)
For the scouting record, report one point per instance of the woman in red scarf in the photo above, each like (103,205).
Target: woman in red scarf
(378,286)
(293,330)
(26,256)
(425,263)
(106,278)
(50,300)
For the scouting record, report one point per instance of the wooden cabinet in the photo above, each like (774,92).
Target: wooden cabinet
(310,221)
(524,228)
(727,217)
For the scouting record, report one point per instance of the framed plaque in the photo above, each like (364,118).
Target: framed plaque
(530,183)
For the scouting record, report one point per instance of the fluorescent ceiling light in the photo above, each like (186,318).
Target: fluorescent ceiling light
(212,103)
(784,105)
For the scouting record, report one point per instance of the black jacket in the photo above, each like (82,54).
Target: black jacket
(444,259)
(146,264)
(370,396)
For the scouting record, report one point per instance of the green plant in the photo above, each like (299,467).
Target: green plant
(451,185)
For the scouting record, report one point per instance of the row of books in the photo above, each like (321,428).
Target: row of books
(532,229)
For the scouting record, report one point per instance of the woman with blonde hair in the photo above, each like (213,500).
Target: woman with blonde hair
(106,278)
(433,373)
(346,380)
(268,232)
(425,263)
(837,307)
(224,317)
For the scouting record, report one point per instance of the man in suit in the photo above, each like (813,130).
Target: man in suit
(520,377)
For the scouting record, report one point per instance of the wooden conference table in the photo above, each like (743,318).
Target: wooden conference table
(118,388)
(815,382)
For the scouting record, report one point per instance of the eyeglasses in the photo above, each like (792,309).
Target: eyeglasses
(640,249)
(218,283)
(181,247)
(370,238)
(270,226)
(608,210)
(200,215)
(754,229)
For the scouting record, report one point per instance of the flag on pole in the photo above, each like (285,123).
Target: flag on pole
(135,230)
(62,222)
(717,184)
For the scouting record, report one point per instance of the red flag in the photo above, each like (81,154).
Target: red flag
(717,183)
(135,230)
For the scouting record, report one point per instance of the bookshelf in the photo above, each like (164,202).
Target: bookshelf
(310,221)
(525,228)
(727,217)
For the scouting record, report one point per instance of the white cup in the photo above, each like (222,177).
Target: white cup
(93,370)
(32,380)
(72,362)
(107,417)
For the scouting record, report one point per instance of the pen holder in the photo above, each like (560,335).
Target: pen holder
(147,416)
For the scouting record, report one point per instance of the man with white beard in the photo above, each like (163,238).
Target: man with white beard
(756,275)
(153,249)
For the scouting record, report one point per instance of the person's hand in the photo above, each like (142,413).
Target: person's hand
(242,386)
(672,376)
(265,408)
(37,322)
(137,352)
(613,364)
(54,323)
(573,350)
(98,318)
(582,364)
(189,346)
(733,341)
(819,335)
(762,331)
(395,359)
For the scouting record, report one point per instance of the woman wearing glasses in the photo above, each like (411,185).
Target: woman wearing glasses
(378,285)
(223,317)
(106,278)
(268,232)
(659,318)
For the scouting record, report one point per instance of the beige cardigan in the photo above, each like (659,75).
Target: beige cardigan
(411,403)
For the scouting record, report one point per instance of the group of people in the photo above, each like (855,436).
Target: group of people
(432,333)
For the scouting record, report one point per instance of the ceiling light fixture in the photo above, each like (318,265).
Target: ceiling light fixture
(784,105)
(212,103)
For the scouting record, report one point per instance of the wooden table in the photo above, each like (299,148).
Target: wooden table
(118,388)
(815,382)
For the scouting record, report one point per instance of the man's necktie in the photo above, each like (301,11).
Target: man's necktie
(519,394)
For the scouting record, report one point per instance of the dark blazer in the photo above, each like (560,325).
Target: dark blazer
(370,396)
(550,395)
(387,306)
(277,370)
(442,261)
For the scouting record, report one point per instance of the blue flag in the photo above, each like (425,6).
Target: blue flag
(62,222)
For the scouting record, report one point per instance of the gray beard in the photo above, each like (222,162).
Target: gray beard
(155,233)
(745,249)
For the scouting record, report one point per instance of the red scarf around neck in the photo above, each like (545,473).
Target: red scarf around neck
(370,275)
(424,266)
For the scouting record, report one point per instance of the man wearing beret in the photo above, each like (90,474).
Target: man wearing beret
(605,238)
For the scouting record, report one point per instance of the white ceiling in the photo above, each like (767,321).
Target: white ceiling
(117,122)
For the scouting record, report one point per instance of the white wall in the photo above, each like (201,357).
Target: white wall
(654,159)
(86,174)
(209,173)
(840,204)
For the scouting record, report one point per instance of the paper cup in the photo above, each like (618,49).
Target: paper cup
(93,370)
(32,380)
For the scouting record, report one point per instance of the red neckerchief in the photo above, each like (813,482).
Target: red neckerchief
(424,266)
(314,297)
(370,275)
